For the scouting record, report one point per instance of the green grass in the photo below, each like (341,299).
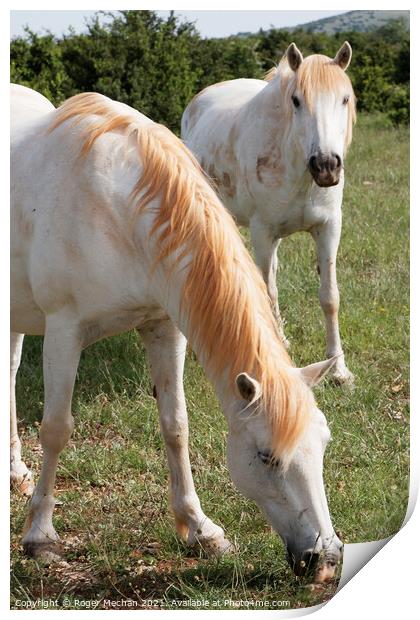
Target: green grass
(112,480)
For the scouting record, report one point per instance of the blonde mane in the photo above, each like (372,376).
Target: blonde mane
(224,295)
(317,73)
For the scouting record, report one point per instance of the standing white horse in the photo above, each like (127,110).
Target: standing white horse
(275,151)
(115,227)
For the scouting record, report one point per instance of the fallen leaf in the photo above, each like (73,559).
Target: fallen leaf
(397,388)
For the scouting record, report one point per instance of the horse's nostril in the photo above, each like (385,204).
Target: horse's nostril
(337,161)
(310,559)
(302,563)
(313,164)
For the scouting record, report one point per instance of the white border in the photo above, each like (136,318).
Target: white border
(387,585)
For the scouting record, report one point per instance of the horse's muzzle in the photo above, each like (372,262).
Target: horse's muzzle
(322,566)
(325,169)
(302,563)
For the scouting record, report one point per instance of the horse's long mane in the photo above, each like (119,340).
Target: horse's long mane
(224,296)
(317,73)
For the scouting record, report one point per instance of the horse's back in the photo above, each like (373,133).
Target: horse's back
(49,173)
(216,101)
(213,127)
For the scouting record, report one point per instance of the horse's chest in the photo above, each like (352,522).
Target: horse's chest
(286,221)
(289,212)
(297,215)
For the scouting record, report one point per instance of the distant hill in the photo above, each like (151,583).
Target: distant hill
(361,21)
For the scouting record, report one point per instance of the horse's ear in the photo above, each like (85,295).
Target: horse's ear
(248,387)
(343,56)
(294,57)
(314,373)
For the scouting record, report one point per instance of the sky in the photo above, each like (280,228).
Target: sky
(208,23)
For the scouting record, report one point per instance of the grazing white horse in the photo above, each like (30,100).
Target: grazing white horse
(275,149)
(114,227)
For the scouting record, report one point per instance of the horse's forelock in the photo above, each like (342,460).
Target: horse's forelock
(316,74)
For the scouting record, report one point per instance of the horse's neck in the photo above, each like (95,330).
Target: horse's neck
(168,289)
(178,312)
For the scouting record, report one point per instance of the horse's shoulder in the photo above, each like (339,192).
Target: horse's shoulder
(223,100)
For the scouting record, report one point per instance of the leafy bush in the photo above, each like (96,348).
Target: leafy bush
(156,65)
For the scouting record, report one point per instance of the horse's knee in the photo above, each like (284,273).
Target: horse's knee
(175,433)
(55,431)
(330,300)
(330,307)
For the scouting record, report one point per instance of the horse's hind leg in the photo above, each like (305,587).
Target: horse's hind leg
(61,355)
(20,476)
(165,346)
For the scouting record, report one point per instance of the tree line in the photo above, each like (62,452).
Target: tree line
(157,65)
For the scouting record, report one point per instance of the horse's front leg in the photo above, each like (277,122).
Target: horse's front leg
(61,354)
(327,239)
(20,476)
(165,346)
(265,248)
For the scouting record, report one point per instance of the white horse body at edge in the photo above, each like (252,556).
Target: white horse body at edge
(115,227)
(275,149)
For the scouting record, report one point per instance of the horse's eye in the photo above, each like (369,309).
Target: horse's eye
(296,101)
(267,458)
(346,100)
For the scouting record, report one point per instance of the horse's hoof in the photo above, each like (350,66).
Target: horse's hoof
(23,484)
(343,378)
(224,547)
(26,487)
(214,546)
(48,552)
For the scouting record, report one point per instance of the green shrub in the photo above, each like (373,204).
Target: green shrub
(156,65)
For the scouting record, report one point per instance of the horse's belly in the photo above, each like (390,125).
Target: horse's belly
(24,320)
(25,315)
(105,325)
